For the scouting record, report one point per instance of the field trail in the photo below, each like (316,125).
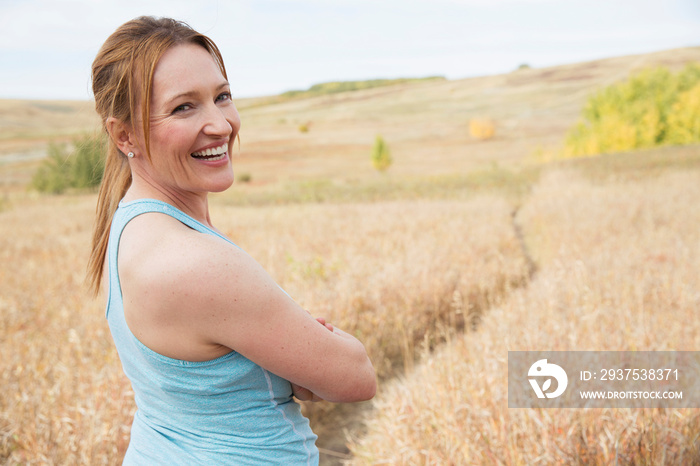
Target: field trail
(617,271)
(458,314)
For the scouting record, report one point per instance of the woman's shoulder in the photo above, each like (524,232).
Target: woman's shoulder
(170,276)
(159,245)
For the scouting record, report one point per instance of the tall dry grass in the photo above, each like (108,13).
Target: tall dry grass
(396,274)
(619,270)
(64,399)
(617,259)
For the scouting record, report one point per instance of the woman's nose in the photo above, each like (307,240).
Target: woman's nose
(216,123)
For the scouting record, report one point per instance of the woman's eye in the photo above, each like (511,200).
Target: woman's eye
(182,108)
(223,97)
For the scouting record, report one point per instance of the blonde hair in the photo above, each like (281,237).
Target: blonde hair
(122,78)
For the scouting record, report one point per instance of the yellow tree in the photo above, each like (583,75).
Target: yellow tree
(381,157)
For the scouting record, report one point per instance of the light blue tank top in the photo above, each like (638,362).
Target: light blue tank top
(225,411)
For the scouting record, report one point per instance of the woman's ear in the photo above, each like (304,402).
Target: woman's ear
(122,135)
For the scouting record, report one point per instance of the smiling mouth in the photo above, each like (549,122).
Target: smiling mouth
(216,153)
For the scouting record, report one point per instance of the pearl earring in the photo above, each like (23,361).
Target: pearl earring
(130,155)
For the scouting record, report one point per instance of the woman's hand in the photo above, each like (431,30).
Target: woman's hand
(304,394)
(322,321)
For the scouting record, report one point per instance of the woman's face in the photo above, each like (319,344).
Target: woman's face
(193,124)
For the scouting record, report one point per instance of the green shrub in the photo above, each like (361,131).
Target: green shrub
(52,175)
(652,108)
(88,161)
(381,157)
(244,177)
(80,169)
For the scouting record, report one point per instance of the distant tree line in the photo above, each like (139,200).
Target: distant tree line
(345,86)
(655,107)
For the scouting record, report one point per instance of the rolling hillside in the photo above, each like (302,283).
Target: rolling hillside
(425,123)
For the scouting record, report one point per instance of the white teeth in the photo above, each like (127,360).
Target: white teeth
(209,152)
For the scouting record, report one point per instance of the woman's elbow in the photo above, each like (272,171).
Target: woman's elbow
(368,389)
(359,386)
(354,378)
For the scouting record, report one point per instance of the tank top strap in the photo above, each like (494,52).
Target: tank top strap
(130,210)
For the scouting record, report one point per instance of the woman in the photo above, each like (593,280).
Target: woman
(214,349)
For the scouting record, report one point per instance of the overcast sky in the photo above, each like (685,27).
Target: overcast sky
(270,46)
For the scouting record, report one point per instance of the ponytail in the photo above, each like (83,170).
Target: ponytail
(115,181)
(122,78)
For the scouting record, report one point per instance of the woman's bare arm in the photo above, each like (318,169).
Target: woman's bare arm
(197,291)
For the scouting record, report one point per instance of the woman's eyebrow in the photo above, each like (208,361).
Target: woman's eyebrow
(187,94)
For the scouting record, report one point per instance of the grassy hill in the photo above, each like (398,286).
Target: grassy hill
(425,122)
(28,125)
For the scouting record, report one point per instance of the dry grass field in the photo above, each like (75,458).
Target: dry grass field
(618,270)
(465,249)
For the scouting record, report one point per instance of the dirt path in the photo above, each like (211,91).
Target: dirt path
(21,157)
